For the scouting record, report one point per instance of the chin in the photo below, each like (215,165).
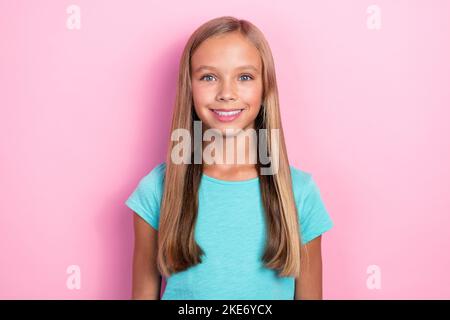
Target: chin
(232,130)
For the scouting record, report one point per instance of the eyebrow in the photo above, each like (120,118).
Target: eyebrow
(202,67)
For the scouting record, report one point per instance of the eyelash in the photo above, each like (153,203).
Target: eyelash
(243,75)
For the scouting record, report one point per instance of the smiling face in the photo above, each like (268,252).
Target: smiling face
(226,73)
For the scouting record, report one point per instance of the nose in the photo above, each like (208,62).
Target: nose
(226,92)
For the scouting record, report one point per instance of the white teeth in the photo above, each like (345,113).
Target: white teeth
(227,113)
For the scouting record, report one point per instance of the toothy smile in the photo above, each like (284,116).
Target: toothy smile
(227,115)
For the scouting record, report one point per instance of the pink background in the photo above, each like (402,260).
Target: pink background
(84,114)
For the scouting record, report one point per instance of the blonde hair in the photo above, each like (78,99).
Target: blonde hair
(177,248)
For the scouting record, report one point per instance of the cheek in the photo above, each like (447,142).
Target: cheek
(198,97)
(202,99)
(252,96)
(202,96)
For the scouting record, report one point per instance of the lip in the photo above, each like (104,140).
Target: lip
(224,117)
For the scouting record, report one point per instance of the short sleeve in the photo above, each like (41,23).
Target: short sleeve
(145,200)
(314,217)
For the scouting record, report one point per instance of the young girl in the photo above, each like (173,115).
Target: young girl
(227,230)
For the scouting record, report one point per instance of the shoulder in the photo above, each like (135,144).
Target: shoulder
(153,180)
(145,200)
(302,182)
(156,173)
(314,217)
(299,176)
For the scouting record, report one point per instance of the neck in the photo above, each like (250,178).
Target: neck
(231,151)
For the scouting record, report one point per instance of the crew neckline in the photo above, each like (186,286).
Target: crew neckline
(234,182)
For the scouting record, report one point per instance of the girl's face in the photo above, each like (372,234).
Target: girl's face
(226,73)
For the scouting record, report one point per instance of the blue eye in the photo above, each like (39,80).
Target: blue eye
(211,76)
(246,75)
(205,76)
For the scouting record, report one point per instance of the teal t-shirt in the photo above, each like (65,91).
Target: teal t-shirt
(230,228)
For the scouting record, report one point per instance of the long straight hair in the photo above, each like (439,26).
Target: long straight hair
(177,248)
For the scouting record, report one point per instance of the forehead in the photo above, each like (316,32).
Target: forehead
(228,51)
